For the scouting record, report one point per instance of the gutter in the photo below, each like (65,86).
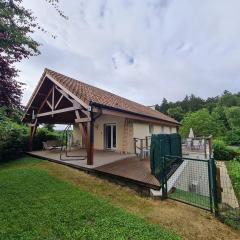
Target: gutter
(98,105)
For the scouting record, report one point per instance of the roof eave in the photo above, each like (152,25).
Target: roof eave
(129,112)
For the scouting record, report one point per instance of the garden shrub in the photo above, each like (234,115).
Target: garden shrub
(222,152)
(13,140)
(42,135)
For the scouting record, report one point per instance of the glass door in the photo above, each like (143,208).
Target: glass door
(110,136)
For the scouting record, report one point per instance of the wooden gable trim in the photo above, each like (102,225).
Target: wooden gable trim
(56,111)
(77,103)
(40,82)
(86,106)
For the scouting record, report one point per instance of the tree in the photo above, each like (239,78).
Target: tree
(228,99)
(219,114)
(233,117)
(163,107)
(16,26)
(202,123)
(176,112)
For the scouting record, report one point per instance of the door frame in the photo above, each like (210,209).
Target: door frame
(105,136)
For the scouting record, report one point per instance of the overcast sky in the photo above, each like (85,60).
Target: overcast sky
(143,50)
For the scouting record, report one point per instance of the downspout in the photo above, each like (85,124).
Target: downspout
(91,140)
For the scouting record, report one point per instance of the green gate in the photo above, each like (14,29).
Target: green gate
(188,180)
(193,182)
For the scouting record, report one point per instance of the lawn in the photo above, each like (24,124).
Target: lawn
(192,198)
(37,205)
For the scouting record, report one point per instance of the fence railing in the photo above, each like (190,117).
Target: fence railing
(142,147)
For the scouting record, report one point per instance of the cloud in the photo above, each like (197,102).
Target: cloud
(142,50)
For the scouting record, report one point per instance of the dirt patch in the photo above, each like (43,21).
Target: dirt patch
(189,222)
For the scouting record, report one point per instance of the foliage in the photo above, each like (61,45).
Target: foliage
(8,113)
(222,152)
(233,137)
(176,113)
(234,173)
(221,119)
(16,23)
(13,139)
(228,99)
(219,113)
(202,123)
(36,205)
(233,117)
(42,135)
(14,135)
(49,127)
(16,26)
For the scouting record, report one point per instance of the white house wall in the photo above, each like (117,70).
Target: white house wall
(126,130)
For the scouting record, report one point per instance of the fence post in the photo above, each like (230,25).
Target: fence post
(146,142)
(135,145)
(210,180)
(164,179)
(141,146)
(214,185)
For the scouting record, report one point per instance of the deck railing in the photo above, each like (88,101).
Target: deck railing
(142,147)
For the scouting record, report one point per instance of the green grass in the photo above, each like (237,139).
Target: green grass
(192,198)
(234,173)
(232,216)
(36,205)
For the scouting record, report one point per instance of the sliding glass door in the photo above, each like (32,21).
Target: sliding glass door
(110,136)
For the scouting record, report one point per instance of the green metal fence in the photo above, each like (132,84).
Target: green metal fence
(192,182)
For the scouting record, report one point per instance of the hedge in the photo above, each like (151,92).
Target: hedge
(14,139)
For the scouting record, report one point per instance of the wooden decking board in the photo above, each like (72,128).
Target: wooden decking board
(130,169)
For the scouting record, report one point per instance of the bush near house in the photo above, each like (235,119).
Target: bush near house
(13,139)
(14,136)
(42,135)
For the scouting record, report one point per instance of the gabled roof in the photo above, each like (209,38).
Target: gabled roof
(90,94)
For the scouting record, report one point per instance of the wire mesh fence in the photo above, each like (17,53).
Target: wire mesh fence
(228,188)
(190,183)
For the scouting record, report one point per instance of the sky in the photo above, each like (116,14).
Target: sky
(143,50)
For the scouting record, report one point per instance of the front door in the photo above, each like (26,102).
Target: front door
(110,136)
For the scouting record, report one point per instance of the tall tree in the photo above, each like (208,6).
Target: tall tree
(16,43)
(202,123)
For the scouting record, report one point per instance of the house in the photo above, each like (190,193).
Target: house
(101,120)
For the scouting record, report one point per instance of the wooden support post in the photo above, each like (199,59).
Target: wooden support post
(205,148)
(33,128)
(90,141)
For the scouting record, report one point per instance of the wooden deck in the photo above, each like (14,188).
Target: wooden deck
(121,167)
